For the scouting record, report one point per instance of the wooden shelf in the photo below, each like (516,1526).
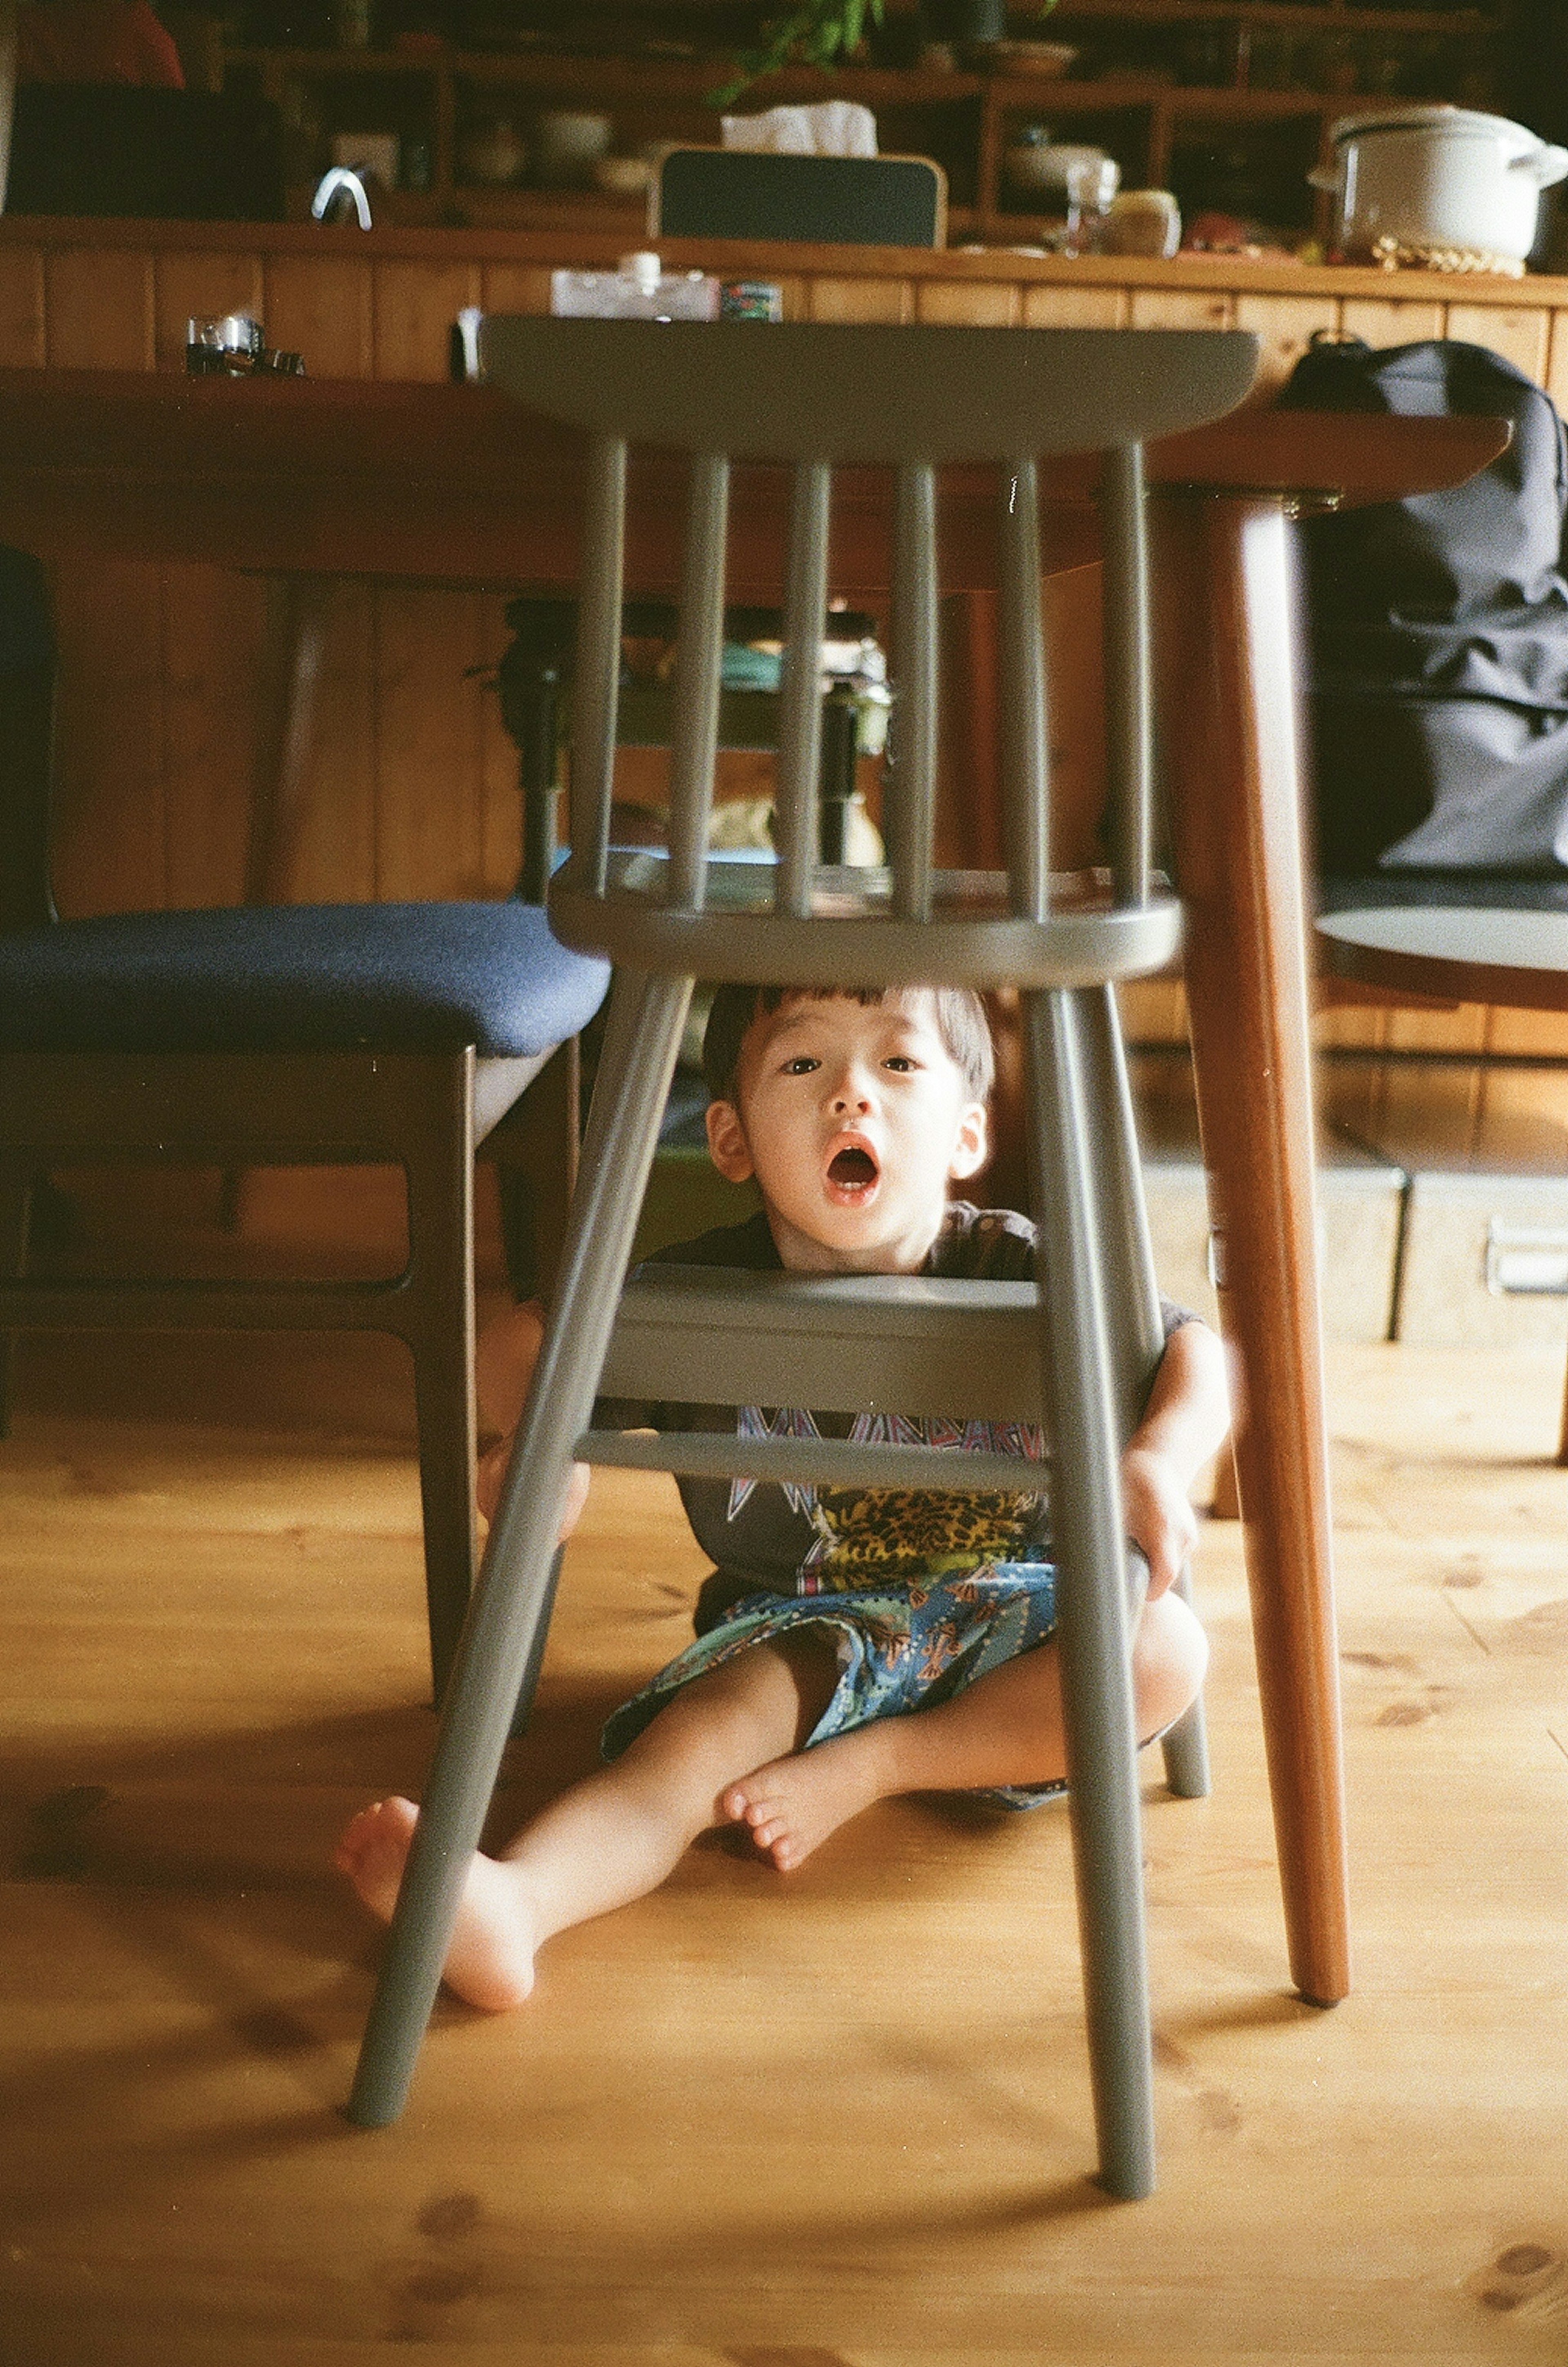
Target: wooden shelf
(961,118)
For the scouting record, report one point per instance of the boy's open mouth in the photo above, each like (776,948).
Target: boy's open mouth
(853,1171)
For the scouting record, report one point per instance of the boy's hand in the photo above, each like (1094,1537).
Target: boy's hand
(492,1472)
(1160,1519)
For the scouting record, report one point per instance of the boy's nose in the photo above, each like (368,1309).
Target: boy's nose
(852,1091)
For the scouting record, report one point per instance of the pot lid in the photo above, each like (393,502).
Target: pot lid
(1466,122)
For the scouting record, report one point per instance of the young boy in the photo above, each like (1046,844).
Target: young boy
(850,1644)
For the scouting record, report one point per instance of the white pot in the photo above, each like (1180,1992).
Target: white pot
(1439,176)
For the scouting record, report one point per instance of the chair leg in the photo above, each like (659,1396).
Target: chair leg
(1097,1689)
(508,1609)
(536,1152)
(16,1209)
(1186,1747)
(440,1333)
(1137,1339)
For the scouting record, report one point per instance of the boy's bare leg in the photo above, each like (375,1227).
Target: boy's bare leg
(1005,1728)
(614,1836)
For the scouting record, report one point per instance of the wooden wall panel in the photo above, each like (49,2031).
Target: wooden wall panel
(416,304)
(429,806)
(1522,333)
(110,836)
(212,646)
(1530,1032)
(99,308)
(1285,323)
(22,306)
(515,288)
(830,298)
(1181,308)
(501,804)
(334,859)
(1075,307)
(1394,323)
(967,303)
(322,307)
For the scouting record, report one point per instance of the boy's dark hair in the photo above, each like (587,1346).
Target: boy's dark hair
(961,1020)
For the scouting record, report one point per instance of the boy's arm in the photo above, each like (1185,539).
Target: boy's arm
(1184,1421)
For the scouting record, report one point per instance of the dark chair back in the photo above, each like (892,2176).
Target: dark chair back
(835,201)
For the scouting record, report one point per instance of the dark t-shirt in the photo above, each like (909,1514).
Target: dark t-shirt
(800,1540)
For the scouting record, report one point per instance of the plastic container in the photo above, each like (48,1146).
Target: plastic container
(638,289)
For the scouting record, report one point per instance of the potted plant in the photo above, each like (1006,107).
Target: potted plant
(825,32)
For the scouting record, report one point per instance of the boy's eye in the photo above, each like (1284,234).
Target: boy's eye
(803,1065)
(902,1062)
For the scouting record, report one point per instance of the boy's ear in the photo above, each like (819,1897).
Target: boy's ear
(727,1146)
(973,1144)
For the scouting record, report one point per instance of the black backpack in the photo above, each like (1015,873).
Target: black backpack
(1440,631)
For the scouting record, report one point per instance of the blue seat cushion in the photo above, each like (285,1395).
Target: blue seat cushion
(304,977)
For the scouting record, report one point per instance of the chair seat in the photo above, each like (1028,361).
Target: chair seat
(1464,935)
(299,978)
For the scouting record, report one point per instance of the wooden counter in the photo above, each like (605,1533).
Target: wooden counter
(412,780)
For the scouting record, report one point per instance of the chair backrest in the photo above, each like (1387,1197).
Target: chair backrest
(908,399)
(835,201)
(26,741)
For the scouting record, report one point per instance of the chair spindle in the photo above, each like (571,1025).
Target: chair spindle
(1129,701)
(699,660)
(800,719)
(912,782)
(597,671)
(1025,746)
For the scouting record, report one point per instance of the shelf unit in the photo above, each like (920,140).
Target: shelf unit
(1250,114)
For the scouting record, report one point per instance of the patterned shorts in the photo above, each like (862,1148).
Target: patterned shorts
(900,1649)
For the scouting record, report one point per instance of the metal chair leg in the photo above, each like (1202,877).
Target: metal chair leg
(511,1599)
(1092,1579)
(1132,1293)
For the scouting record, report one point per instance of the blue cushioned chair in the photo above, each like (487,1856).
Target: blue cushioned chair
(386,1033)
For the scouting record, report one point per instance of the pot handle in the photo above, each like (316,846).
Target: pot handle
(1544,166)
(1323,177)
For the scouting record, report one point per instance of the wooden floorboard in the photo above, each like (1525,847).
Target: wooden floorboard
(834,2120)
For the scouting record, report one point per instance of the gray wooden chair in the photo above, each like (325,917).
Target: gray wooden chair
(1079,1351)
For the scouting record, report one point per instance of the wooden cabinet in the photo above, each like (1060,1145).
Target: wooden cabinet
(1227,103)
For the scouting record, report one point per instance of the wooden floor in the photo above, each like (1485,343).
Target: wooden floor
(841,2117)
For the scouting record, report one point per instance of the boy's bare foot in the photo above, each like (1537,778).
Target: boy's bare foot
(791,1804)
(490,1962)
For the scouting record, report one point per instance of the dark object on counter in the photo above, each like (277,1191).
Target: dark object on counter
(847,200)
(1440,631)
(168,155)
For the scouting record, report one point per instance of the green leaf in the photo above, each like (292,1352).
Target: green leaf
(855,19)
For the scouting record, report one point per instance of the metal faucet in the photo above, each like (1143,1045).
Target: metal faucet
(340,195)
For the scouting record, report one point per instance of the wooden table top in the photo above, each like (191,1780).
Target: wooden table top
(456,484)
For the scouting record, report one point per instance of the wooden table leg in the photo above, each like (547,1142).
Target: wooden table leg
(1227,718)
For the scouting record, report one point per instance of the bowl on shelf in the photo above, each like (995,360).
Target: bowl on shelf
(492,154)
(1035,57)
(567,146)
(1036,165)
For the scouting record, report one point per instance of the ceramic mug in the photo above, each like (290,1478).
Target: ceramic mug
(1143,221)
